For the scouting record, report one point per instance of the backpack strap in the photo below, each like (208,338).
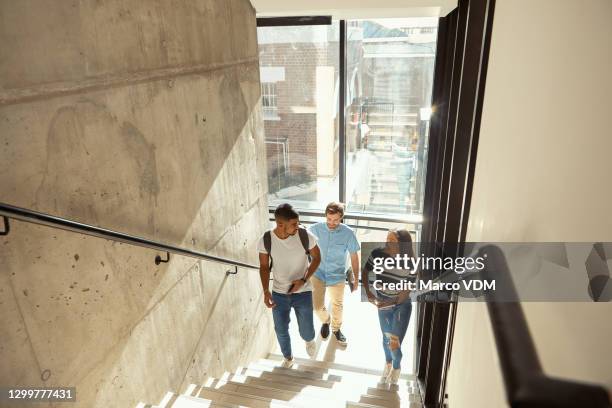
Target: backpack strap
(305,241)
(268,246)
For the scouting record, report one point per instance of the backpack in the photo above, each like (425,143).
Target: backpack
(303,234)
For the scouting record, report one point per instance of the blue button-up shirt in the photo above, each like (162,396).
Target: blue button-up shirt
(334,245)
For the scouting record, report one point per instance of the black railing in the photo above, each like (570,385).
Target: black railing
(22,214)
(408,219)
(527,386)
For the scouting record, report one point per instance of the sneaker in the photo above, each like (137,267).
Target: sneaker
(311,348)
(386,372)
(325,331)
(287,363)
(394,376)
(340,337)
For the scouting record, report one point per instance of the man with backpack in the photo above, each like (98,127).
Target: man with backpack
(292,254)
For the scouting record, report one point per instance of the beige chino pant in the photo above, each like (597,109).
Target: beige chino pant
(336,294)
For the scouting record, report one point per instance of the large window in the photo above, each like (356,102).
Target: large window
(301,130)
(377,164)
(389,81)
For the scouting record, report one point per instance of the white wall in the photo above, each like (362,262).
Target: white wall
(542,174)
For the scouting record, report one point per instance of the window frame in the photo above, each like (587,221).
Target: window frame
(342,108)
(270,110)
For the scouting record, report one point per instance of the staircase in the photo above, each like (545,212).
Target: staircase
(309,383)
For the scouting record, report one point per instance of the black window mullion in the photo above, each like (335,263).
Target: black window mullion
(341,113)
(293,21)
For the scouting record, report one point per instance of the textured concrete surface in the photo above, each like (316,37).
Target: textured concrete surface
(143,117)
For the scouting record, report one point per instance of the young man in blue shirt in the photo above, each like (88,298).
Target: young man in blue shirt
(335,240)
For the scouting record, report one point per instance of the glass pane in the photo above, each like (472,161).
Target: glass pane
(390,66)
(299,76)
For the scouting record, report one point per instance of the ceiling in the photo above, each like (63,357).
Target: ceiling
(354,9)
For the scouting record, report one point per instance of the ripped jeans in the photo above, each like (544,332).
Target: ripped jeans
(394,322)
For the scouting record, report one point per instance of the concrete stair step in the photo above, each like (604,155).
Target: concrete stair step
(276,377)
(334,375)
(186,401)
(309,368)
(341,392)
(406,391)
(226,396)
(353,375)
(296,366)
(295,372)
(326,399)
(336,366)
(338,388)
(356,376)
(259,397)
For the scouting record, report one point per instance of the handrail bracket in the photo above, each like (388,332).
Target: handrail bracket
(158,259)
(7,226)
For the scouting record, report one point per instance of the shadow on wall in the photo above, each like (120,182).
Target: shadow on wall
(145,175)
(176,161)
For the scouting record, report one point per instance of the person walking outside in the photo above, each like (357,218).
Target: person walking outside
(394,306)
(335,241)
(292,254)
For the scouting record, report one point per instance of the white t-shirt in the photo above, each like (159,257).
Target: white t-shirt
(290,260)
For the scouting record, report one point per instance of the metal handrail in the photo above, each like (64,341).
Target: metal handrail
(410,219)
(354,226)
(525,381)
(34,217)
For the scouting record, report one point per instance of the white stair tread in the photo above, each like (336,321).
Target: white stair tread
(363,384)
(355,379)
(367,386)
(332,373)
(288,392)
(337,366)
(259,397)
(253,401)
(314,397)
(308,383)
(295,372)
(186,401)
(346,390)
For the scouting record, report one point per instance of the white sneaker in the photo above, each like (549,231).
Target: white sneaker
(311,348)
(287,363)
(394,376)
(386,372)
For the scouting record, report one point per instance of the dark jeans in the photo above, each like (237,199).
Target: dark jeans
(394,321)
(302,304)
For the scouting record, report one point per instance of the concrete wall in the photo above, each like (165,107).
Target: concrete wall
(542,174)
(143,117)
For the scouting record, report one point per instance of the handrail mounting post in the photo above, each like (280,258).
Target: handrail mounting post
(232,272)
(158,259)
(7,226)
